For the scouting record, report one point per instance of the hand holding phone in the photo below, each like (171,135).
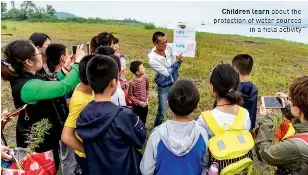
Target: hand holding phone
(80,53)
(284,97)
(7,117)
(263,111)
(74,49)
(14,113)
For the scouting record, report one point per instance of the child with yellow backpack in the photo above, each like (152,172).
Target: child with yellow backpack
(227,125)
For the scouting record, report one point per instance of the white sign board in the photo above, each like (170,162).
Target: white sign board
(184,34)
(188,48)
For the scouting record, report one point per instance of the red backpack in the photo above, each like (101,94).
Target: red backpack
(303,137)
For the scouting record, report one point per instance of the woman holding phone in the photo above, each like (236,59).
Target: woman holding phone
(20,66)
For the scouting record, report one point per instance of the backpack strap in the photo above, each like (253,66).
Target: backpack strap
(290,132)
(303,137)
(239,120)
(211,122)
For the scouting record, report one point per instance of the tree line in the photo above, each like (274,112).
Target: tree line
(30,12)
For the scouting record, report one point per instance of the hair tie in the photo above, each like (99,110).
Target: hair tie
(231,90)
(5,63)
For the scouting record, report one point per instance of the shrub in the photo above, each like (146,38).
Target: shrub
(149,26)
(3,26)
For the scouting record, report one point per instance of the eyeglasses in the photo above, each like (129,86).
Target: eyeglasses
(164,42)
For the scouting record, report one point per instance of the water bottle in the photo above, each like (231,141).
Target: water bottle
(213,170)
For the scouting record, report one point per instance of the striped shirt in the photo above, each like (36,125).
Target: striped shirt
(139,90)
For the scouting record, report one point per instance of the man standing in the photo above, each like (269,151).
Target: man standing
(166,66)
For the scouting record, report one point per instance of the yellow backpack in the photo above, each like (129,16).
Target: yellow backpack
(231,149)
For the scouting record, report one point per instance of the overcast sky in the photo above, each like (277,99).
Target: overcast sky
(162,12)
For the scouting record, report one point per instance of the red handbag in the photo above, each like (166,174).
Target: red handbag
(33,164)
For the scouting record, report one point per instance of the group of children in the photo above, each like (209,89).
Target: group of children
(96,97)
(111,136)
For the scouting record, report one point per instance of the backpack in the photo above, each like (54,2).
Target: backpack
(231,149)
(304,138)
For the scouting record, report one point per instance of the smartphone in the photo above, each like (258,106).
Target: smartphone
(272,102)
(74,48)
(17,111)
(88,47)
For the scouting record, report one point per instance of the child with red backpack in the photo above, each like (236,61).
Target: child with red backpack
(291,154)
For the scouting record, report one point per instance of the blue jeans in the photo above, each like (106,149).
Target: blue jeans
(162,104)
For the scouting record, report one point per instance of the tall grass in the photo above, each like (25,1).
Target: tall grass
(3,26)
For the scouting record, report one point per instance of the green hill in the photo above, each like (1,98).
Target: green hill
(63,15)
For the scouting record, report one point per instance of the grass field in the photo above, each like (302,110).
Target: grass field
(276,62)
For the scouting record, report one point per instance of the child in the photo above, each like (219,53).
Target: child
(243,64)
(291,154)
(111,134)
(177,146)
(122,78)
(57,55)
(118,97)
(224,82)
(81,97)
(227,115)
(139,91)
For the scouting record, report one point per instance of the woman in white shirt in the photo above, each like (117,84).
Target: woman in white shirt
(224,81)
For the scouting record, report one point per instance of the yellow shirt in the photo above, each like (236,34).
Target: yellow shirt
(78,102)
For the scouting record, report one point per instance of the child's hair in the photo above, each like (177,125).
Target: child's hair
(183,97)
(156,35)
(299,94)
(38,39)
(102,39)
(53,55)
(116,40)
(101,70)
(83,68)
(109,51)
(15,54)
(105,50)
(225,81)
(134,66)
(243,63)
(117,59)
